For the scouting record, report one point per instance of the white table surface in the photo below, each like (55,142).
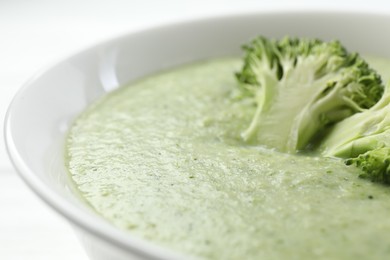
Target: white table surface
(34,34)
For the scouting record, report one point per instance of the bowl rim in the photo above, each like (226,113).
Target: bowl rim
(92,223)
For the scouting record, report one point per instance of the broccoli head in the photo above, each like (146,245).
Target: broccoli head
(364,140)
(375,164)
(301,87)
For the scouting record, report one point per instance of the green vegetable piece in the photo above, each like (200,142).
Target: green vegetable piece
(375,164)
(301,87)
(364,140)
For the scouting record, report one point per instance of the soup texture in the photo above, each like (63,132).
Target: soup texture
(163,159)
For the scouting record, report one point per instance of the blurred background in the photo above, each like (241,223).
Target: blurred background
(35,34)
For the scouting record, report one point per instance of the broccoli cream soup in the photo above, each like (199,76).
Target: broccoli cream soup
(163,159)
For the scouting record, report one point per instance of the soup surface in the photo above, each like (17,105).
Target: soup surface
(163,159)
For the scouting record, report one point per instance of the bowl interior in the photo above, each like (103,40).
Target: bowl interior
(42,112)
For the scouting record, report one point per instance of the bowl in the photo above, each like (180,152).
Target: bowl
(42,111)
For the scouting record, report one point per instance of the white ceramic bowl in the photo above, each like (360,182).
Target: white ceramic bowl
(43,109)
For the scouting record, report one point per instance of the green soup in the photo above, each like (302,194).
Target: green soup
(163,159)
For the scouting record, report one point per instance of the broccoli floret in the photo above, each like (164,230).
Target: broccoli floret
(360,132)
(301,87)
(375,164)
(364,140)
